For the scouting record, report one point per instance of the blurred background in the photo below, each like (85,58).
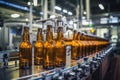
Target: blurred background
(98,17)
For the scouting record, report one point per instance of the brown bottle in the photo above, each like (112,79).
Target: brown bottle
(83,46)
(25,51)
(38,49)
(87,45)
(91,45)
(80,45)
(75,47)
(49,45)
(60,50)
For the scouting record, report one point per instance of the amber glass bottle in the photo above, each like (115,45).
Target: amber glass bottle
(49,45)
(80,45)
(94,45)
(86,45)
(38,49)
(75,47)
(83,46)
(25,50)
(91,45)
(60,50)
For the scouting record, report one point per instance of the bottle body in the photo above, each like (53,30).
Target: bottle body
(80,50)
(60,54)
(38,53)
(48,62)
(25,51)
(75,53)
(75,47)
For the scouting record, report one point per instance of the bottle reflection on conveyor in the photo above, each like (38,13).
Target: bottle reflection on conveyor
(78,73)
(70,75)
(58,76)
(25,50)
(24,72)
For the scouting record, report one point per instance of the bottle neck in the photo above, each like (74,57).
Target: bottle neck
(78,36)
(39,35)
(26,35)
(75,35)
(60,34)
(49,35)
(83,38)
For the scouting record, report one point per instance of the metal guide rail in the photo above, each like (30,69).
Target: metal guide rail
(82,70)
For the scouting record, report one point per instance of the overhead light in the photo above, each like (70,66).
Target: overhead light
(69,13)
(111,16)
(71,22)
(15,15)
(58,8)
(84,13)
(101,6)
(83,17)
(28,3)
(84,22)
(26,19)
(104,20)
(35,2)
(52,16)
(64,10)
(0,28)
(41,13)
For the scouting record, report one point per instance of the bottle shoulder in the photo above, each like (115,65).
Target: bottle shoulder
(75,43)
(38,44)
(60,43)
(80,42)
(49,43)
(25,45)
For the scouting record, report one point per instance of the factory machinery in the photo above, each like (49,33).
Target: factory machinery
(84,57)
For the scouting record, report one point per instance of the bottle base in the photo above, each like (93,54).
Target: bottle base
(48,67)
(25,67)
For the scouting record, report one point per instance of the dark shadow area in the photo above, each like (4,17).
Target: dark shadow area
(113,72)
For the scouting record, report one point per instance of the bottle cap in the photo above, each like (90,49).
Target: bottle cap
(75,29)
(37,25)
(49,23)
(59,22)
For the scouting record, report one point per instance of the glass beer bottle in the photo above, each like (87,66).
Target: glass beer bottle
(25,50)
(83,45)
(38,49)
(49,45)
(60,50)
(75,47)
(80,45)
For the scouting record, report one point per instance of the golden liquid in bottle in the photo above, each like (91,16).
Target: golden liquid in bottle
(91,45)
(49,45)
(96,46)
(75,47)
(38,49)
(83,46)
(60,50)
(25,51)
(80,45)
(87,45)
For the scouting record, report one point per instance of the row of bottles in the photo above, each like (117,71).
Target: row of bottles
(52,53)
